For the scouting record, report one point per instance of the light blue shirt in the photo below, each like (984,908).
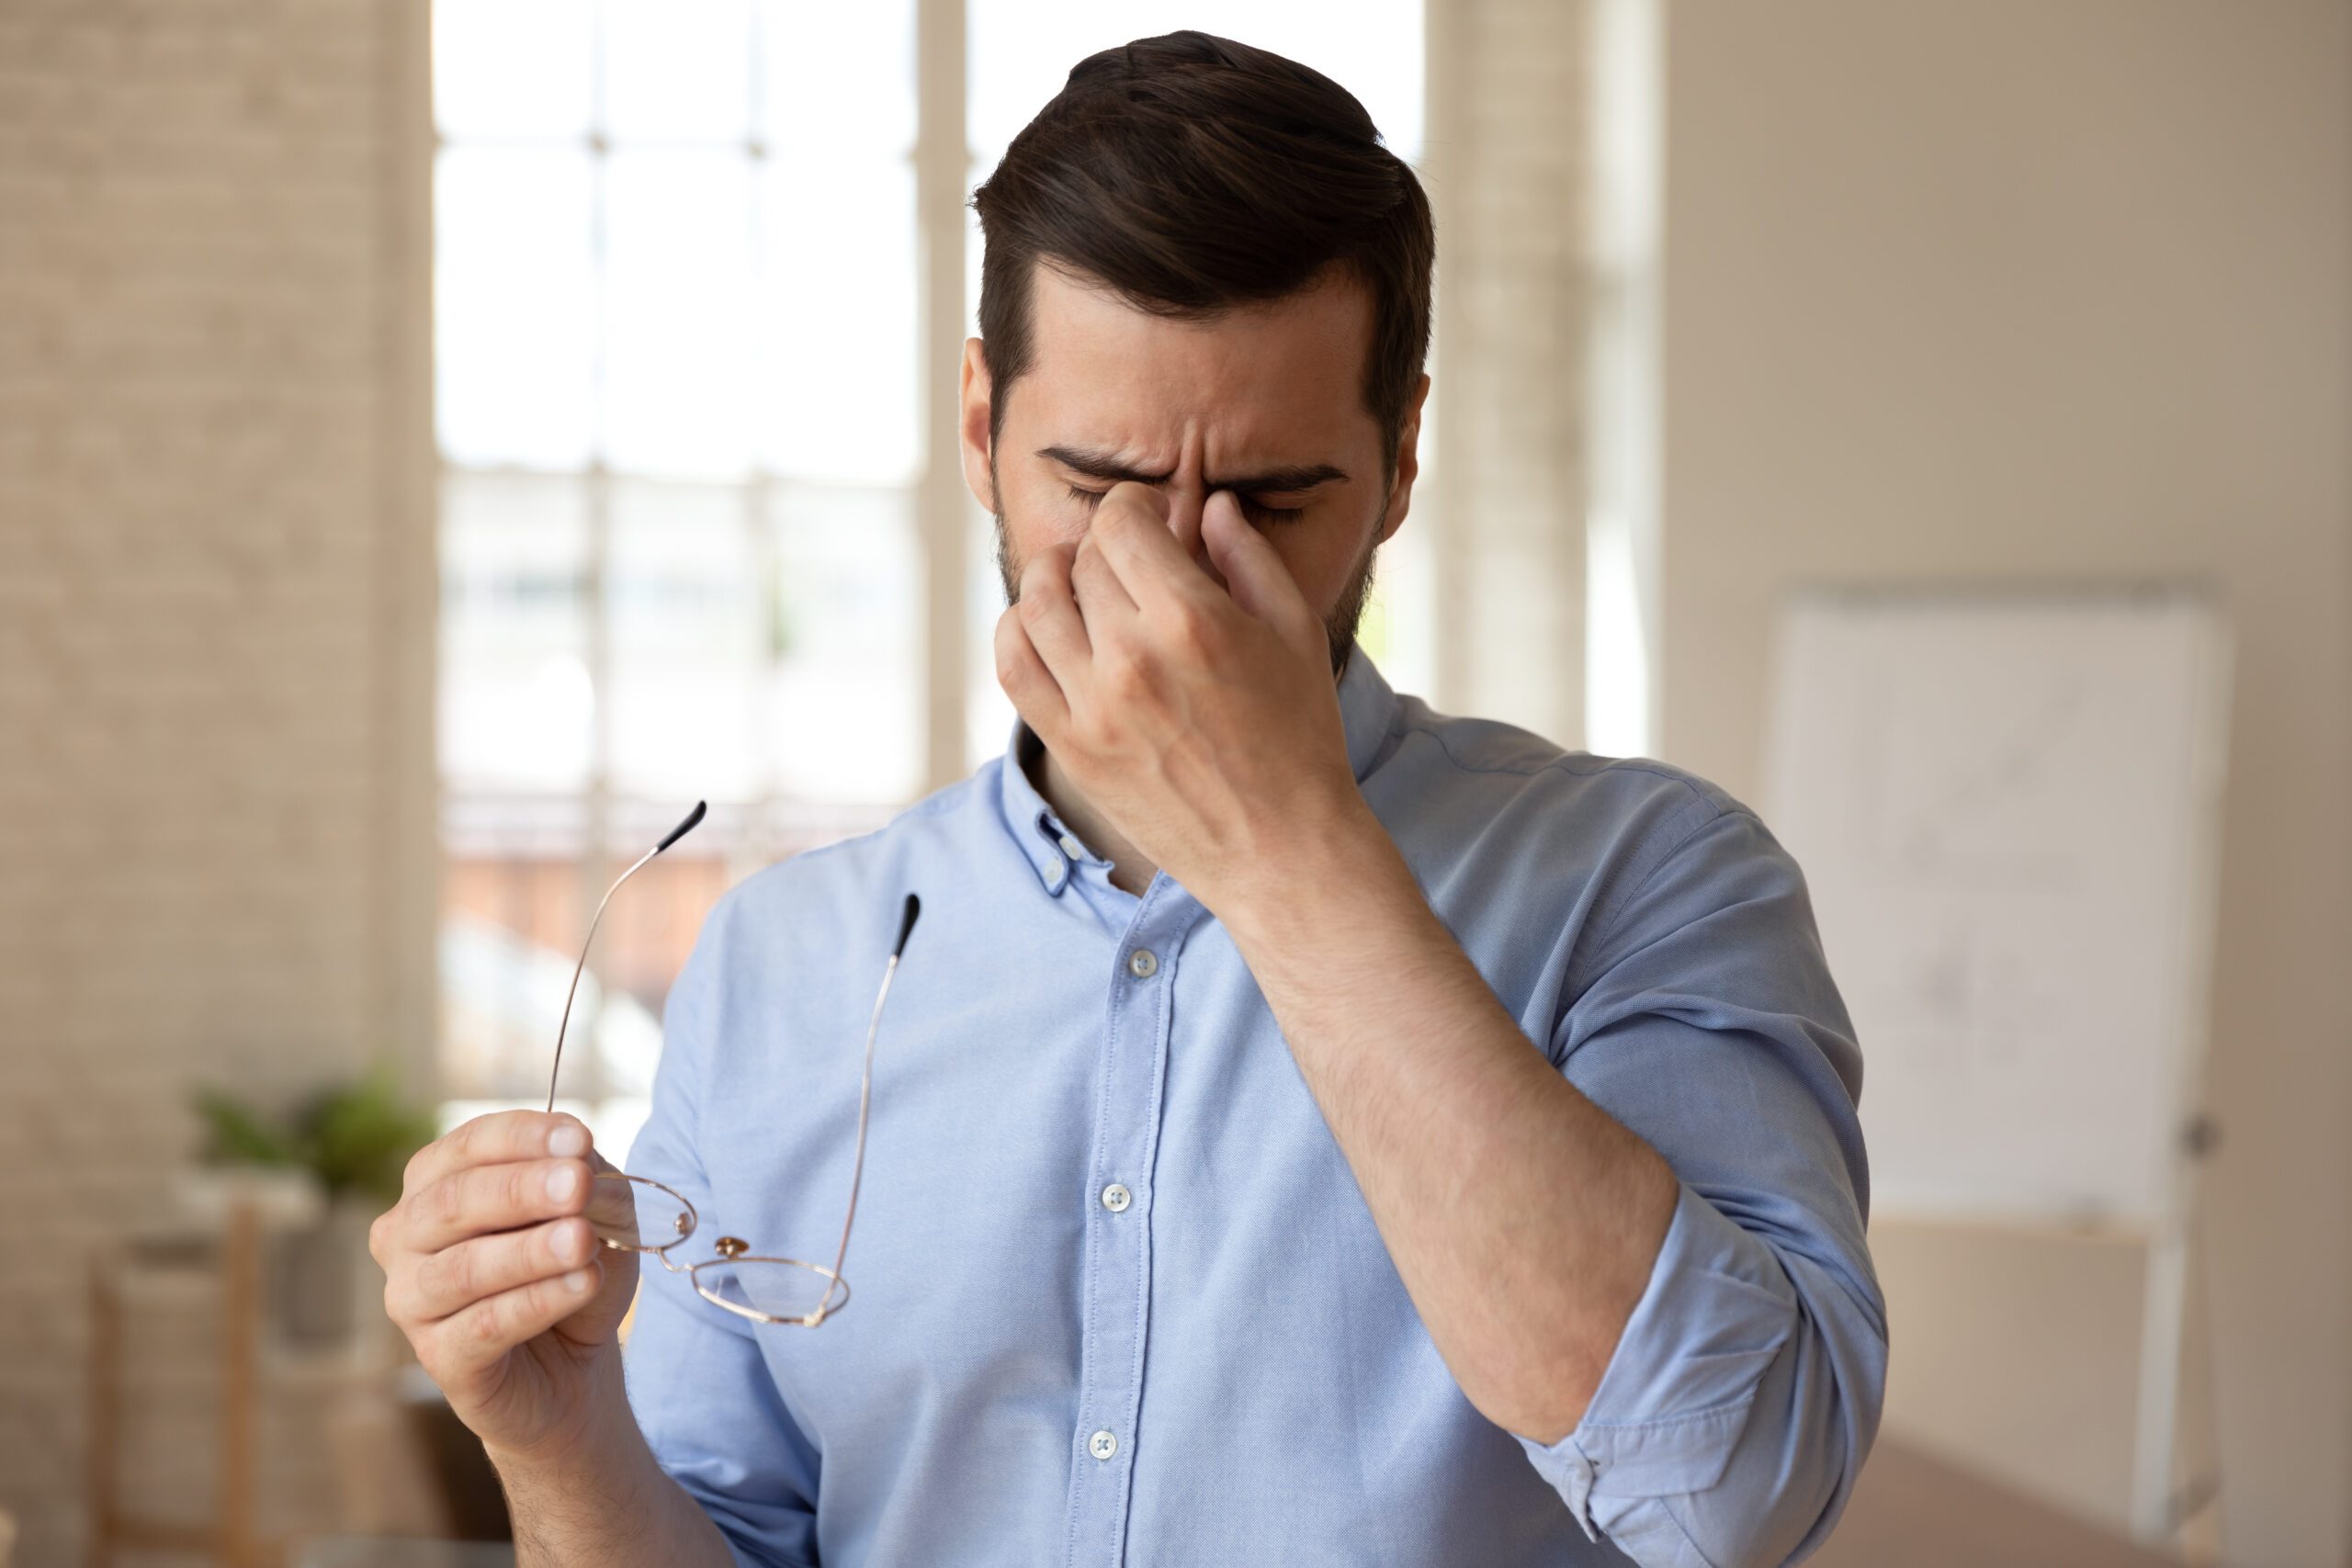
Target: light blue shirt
(1234,1323)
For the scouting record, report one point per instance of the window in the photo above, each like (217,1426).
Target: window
(677,303)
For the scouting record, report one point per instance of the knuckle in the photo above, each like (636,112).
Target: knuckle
(1126,676)
(444,1201)
(407,1291)
(470,1337)
(458,1270)
(1194,628)
(530,1304)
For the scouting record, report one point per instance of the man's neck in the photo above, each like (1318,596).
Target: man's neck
(1131,870)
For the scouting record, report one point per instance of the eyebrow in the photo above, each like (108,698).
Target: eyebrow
(1097,464)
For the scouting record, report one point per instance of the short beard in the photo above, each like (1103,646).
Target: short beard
(1339,628)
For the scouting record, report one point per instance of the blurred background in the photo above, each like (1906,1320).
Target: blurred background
(439,443)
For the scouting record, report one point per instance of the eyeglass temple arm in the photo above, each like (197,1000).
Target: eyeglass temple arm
(693,819)
(865,1085)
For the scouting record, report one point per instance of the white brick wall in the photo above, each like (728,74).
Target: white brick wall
(215,852)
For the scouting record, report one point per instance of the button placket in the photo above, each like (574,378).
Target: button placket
(1118,1265)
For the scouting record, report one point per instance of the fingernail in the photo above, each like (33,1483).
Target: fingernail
(572,1244)
(560,1182)
(568,1141)
(578,1281)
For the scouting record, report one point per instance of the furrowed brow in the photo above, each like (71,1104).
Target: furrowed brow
(1275,481)
(1103,466)
(1280,482)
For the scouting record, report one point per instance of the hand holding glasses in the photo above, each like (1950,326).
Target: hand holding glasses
(636,1213)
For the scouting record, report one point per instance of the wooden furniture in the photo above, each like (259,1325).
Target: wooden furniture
(233,1537)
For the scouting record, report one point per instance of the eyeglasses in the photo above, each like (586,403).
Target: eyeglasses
(636,1213)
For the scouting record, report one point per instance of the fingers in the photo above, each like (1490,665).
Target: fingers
(1048,610)
(478,1336)
(1254,573)
(1036,694)
(498,1139)
(456,1276)
(490,1198)
(1141,549)
(1095,583)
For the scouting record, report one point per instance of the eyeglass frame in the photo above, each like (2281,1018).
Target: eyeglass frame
(734,1251)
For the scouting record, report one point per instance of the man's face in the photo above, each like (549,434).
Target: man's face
(1265,400)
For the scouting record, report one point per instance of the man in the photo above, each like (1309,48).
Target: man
(1306,1129)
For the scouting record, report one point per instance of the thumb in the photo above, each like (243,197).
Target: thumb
(1254,574)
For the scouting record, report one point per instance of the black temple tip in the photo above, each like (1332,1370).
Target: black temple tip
(907,924)
(694,818)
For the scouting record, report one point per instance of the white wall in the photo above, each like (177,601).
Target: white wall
(2013,289)
(217,851)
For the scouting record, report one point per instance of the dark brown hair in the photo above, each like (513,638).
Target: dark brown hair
(1191,174)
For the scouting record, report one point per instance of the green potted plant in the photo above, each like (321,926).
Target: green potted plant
(353,1140)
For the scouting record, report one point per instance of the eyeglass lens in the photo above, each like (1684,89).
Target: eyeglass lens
(629,1213)
(775,1289)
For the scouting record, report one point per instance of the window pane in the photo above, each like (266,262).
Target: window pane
(514,289)
(686,651)
(517,703)
(502,1001)
(1021,52)
(838,76)
(838,316)
(844,705)
(677,70)
(509,68)
(678,316)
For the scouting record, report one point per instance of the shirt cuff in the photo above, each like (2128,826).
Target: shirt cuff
(1676,1395)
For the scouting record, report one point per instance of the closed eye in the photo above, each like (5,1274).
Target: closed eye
(1256,510)
(1264,516)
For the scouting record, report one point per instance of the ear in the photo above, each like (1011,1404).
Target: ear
(1408,463)
(975,400)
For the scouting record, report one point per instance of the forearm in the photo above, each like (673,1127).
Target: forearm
(1522,1218)
(601,1501)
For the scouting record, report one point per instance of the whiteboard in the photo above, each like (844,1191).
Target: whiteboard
(2006,807)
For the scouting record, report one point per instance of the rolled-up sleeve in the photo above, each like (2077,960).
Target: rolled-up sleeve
(701,1391)
(1744,1394)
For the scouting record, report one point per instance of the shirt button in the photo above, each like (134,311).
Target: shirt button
(1142,964)
(1103,1445)
(1116,1198)
(1073,848)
